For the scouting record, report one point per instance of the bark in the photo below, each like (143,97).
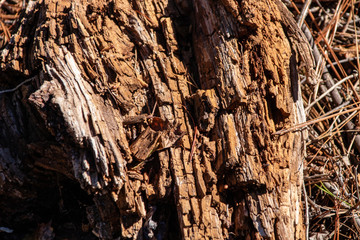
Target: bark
(204,165)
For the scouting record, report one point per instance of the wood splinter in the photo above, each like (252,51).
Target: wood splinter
(158,135)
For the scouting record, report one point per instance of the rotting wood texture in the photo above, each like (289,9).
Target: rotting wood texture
(99,67)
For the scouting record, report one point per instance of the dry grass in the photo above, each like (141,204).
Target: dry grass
(331,193)
(9,14)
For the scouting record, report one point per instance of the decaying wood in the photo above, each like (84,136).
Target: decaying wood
(100,65)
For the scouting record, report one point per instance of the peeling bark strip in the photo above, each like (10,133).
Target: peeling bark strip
(223,69)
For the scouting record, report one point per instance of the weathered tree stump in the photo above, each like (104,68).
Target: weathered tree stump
(221,77)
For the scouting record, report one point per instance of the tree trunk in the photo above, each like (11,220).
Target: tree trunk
(163,112)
